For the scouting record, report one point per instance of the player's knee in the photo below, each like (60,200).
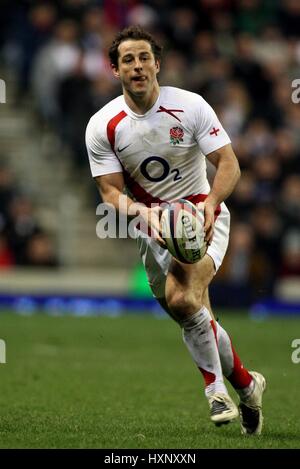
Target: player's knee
(182,304)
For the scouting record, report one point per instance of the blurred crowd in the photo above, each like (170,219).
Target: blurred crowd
(23,242)
(240,55)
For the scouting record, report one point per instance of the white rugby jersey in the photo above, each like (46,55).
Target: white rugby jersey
(161,153)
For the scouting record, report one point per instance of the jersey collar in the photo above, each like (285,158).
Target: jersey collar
(149,113)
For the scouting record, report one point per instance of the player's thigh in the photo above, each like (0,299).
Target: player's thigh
(192,275)
(191,279)
(166,275)
(156,262)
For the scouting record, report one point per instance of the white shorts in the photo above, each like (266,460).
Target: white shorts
(157,260)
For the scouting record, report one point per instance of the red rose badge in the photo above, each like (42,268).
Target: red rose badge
(176,135)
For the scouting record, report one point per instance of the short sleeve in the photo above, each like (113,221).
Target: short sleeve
(209,132)
(102,159)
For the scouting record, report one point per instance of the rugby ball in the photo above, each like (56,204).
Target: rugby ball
(182,230)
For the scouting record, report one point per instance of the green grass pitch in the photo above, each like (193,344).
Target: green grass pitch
(129,382)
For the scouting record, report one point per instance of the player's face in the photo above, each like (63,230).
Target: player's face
(137,67)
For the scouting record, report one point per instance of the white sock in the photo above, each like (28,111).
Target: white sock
(199,337)
(225,350)
(227,359)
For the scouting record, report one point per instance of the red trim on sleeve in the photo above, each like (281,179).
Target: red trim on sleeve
(111,128)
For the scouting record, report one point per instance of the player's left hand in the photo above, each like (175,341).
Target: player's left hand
(154,223)
(209,219)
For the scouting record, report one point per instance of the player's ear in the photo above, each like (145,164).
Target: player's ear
(157,64)
(115,70)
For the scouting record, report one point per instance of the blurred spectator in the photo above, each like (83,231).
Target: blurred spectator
(260,140)
(75,112)
(144,15)
(245,269)
(254,15)
(290,259)
(290,18)
(92,23)
(73,9)
(186,26)
(28,30)
(270,48)
(7,193)
(235,108)
(287,153)
(268,231)
(6,253)
(243,200)
(218,73)
(267,175)
(289,202)
(40,251)
(101,88)
(238,268)
(250,72)
(21,227)
(173,72)
(52,64)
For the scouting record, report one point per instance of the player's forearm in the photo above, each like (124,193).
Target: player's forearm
(111,187)
(225,180)
(123,203)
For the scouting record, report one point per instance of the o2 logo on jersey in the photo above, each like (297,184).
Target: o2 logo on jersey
(163,174)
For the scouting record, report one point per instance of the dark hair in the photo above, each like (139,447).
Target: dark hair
(135,33)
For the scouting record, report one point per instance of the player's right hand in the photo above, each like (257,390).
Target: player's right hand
(153,220)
